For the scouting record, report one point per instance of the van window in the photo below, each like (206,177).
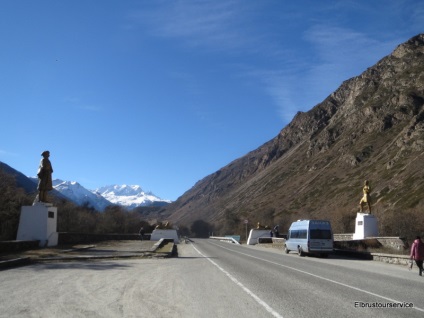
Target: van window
(301,234)
(320,234)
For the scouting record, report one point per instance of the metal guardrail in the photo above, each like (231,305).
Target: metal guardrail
(224,238)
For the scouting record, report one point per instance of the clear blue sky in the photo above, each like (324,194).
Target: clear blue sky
(164,93)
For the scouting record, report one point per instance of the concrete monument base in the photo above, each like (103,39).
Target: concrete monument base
(365,226)
(158,234)
(38,222)
(255,234)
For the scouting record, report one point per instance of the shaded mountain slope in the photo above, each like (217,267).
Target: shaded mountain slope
(371,127)
(28,184)
(22,181)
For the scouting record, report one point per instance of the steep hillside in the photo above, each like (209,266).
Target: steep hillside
(371,127)
(22,181)
(26,183)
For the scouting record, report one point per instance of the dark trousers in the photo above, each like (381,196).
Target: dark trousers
(420,265)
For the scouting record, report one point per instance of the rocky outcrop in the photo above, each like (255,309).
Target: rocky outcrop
(371,127)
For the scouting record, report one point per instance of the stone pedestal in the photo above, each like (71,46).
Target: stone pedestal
(255,234)
(158,234)
(365,226)
(38,222)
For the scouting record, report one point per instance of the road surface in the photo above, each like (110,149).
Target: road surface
(213,279)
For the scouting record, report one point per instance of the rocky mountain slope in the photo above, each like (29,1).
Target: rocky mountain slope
(23,181)
(371,127)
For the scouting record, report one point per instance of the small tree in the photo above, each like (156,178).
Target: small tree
(112,220)
(11,200)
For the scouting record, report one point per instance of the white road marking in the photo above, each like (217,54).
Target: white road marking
(323,278)
(248,291)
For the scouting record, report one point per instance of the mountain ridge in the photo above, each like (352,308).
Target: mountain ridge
(80,195)
(130,196)
(316,165)
(76,193)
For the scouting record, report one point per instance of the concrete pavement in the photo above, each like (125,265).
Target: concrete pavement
(101,250)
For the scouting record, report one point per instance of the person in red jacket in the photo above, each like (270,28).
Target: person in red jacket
(417,253)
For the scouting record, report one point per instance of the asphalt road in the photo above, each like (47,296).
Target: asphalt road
(213,279)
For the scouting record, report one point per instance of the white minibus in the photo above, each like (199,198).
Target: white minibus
(310,237)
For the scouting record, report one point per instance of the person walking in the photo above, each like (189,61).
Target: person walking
(277,231)
(141,233)
(417,254)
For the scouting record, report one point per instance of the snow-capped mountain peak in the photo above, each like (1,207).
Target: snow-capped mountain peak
(121,190)
(80,195)
(130,196)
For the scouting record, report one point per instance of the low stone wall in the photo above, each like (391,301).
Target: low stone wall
(343,237)
(166,246)
(391,259)
(398,243)
(69,238)
(79,238)
(387,244)
(344,245)
(264,240)
(357,245)
(16,246)
(278,242)
(380,257)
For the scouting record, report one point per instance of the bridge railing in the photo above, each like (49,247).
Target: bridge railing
(225,238)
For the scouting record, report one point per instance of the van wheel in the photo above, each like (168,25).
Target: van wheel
(300,251)
(286,249)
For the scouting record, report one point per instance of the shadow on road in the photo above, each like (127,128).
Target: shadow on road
(93,265)
(195,257)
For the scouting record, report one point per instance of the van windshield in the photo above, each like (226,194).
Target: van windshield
(320,234)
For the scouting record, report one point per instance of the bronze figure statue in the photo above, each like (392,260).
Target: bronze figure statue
(366,199)
(45,182)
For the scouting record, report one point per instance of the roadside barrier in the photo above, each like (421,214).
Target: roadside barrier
(224,238)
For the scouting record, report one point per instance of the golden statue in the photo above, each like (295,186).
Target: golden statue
(160,226)
(366,199)
(259,226)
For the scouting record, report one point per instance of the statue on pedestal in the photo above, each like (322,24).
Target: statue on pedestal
(259,226)
(366,199)
(163,226)
(45,182)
